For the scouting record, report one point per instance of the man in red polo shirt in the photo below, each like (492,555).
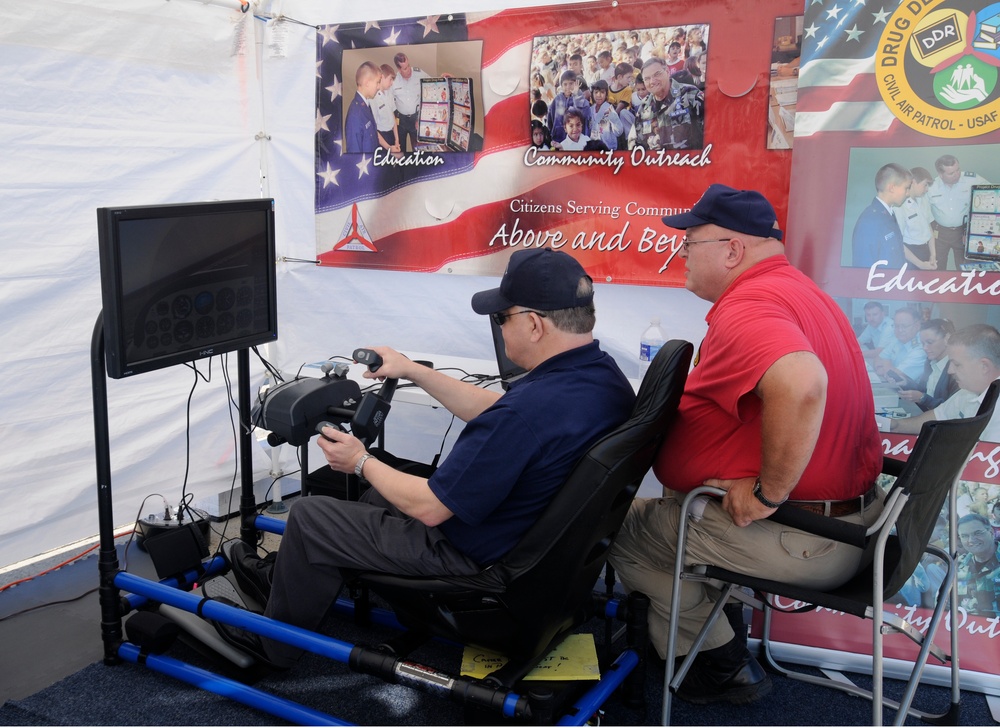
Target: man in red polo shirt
(778,407)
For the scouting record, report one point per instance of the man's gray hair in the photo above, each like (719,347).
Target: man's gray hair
(580,319)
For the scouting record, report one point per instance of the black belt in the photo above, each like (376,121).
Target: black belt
(960,228)
(836,509)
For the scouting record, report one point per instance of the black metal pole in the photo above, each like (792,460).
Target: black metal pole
(111,621)
(248,501)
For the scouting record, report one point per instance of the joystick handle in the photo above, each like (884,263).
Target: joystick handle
(369,358)
(325,423)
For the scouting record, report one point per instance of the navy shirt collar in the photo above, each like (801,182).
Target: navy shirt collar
(578,356)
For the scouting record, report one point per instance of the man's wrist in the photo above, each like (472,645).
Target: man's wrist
(763,499)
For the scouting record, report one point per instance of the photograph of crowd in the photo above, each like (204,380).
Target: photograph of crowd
(617,90)
(978,563)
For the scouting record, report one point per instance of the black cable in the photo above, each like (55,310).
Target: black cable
(267,365)
(187,437)
(131,536)
(49,604)
(437,458)
(236,449)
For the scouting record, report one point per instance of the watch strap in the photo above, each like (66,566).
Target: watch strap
(359,467)
(759,495)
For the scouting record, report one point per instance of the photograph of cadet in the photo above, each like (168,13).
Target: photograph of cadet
(360,133)
(667,112)
(397,92)
(910,205)
(876,233)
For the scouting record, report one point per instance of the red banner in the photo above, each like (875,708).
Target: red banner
(978,637)
(434,206)
(891,209)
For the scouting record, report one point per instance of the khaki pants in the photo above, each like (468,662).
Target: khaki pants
(644,552)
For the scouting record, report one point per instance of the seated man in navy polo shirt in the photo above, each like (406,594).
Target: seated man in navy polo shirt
(516,450)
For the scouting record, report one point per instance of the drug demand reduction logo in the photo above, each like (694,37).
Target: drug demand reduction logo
(937,65)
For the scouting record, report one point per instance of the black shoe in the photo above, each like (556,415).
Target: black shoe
(726,674)
(252,573)
(734,614)
(242,639)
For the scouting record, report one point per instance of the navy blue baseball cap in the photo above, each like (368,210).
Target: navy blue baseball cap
(743,211)
(539,278)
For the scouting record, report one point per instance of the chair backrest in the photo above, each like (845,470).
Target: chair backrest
(943,447)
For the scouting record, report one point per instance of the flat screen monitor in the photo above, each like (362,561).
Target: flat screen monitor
(182,282)
(982,240)
(509,371)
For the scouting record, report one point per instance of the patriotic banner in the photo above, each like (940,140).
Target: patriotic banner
(892,209)
(472,187)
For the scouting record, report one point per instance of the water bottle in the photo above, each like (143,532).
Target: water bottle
(652,339)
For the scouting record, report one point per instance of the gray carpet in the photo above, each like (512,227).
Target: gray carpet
(132,695)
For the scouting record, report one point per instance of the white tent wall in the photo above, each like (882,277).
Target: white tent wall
(152,101)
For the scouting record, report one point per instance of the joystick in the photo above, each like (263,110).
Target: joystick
(326,423)
(369,358)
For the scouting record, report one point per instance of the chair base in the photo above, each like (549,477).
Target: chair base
(950,717)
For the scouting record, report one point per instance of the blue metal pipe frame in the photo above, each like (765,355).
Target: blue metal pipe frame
(167,592)
(272,704)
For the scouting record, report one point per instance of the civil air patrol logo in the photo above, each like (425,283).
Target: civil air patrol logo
(937,66)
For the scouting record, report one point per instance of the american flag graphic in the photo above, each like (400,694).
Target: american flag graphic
(837,90)
(840,109)
(433,218)
(417,195)
(343,179)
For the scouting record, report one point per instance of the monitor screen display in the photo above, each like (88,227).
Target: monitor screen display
(183,282)
(983,235)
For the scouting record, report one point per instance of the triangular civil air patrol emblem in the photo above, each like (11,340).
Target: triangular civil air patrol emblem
(355,235)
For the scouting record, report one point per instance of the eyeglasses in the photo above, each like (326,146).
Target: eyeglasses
(500,318)
(685,243)
(981,533)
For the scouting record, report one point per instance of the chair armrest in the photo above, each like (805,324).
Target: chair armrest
(852,534)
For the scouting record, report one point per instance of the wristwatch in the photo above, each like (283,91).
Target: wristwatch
(360,466)
(759,495)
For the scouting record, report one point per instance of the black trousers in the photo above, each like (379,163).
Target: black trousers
(407,128)
(324,535)
(950,239)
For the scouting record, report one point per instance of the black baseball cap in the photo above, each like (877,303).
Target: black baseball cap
(539,278)
(744,211)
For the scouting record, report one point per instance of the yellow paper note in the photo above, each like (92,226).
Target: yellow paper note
(575,658)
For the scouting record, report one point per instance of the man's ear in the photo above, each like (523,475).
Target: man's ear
(537,326)
(735,252)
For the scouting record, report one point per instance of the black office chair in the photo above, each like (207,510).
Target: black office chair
(893,546)
(524,604)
